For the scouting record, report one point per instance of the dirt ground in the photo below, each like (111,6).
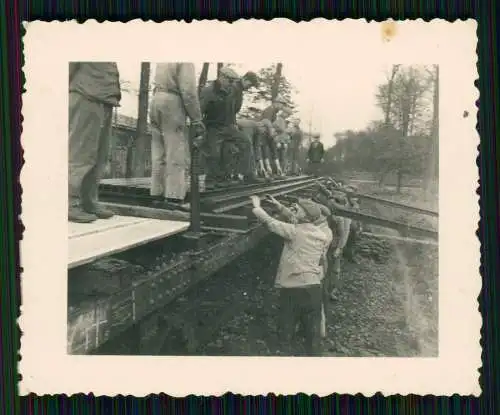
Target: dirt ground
(387,305)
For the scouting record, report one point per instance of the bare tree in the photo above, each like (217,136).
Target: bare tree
(276,81)
(433,161)
(136,164)
(402,99)
(203,76)
(389,95)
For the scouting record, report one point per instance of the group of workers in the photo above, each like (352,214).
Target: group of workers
(248,150)
(314,236)
(309,271)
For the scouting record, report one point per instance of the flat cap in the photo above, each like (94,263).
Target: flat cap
(228,73)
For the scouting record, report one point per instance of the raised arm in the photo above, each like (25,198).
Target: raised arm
(285,230)
(204,99)
(189,91)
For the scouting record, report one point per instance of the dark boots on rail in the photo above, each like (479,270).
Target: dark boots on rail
(86,213)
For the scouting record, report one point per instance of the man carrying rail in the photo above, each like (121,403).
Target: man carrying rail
(300,271)
(269,116)
(217,102)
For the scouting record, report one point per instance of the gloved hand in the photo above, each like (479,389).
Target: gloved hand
(198,133)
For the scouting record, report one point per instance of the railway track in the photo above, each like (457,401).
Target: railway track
(156,277)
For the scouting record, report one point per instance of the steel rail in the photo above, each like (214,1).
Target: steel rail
(237,197)
(110,189)
(384,201)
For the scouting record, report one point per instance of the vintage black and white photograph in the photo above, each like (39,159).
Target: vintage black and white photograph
(227,209)
(280,205)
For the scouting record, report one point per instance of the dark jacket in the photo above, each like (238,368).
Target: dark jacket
(316,152)
(217,106)
(296,137)
(270,113)
(97,81)
(238,96)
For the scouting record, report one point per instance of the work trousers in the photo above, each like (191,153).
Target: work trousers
(301,306)
(89,142)
(227,147)
(282,151)
(170,155)
(314,168)
(294,157)
(253,135)
(268,146)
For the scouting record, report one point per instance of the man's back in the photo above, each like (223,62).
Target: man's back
(217,106)
(97,81)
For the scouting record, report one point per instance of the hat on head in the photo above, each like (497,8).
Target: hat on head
(312,209)
(228,73)
(252,77)
(324,210)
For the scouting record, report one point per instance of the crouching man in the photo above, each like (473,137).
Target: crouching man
(300,272)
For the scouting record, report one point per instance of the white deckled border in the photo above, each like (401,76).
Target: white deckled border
(45,367)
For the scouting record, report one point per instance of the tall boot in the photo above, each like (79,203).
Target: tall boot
(269,169)
(278,167)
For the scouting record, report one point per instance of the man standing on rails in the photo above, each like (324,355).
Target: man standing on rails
(94,89)
(270,114)
(315,155)
(175,97)
(254,130)
(296,137)
(300,272)
(218,108)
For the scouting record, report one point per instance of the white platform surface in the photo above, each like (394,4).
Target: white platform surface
(89,242)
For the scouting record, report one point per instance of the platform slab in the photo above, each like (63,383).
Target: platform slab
(104,237)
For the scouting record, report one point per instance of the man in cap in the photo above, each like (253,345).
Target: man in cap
(282,139)
(296,136)
(254,130)
(315,155)
(247,81)
(175,98)
(270,115)
(218,105)
(300,272)
(341,230)
(94,89)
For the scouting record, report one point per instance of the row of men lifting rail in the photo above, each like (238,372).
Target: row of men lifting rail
(232,149)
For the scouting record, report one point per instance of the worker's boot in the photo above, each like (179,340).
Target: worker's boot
(278,168)
(99,211)
(269,169)
(78,215)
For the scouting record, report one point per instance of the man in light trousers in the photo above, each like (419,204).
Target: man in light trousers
(175,98)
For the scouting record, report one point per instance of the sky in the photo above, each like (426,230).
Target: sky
(332,98)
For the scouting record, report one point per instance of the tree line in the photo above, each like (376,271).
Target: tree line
(405,141)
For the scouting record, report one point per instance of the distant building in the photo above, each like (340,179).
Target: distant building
(122,141)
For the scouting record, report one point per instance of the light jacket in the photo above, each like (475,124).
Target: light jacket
(180,79)
(301,262)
